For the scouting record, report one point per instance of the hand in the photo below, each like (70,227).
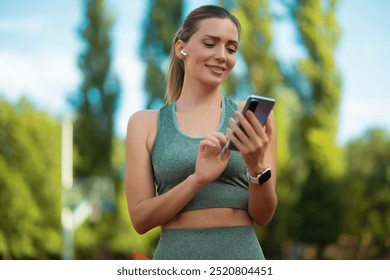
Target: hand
(251,139)
(210,163)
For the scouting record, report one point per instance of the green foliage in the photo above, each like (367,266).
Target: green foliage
(263,74)
(366,190)
(95,108)
(30,188)
(162,20)
(96,103)
(126,240)
(291,169)
(318,208)
(320,33)
(111,235)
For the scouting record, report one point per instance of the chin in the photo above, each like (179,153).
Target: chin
(216,82)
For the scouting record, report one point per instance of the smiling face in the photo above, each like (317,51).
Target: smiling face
(211,51)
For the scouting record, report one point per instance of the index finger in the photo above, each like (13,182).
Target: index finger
(256,124)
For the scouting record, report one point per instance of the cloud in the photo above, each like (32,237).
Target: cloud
(45,77)
(48,78)
(32,25)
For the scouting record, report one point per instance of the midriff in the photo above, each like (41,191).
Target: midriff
(210,217)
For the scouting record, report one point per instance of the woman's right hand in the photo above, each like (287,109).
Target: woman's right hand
(210,163)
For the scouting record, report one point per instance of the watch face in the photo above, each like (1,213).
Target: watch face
(265,177)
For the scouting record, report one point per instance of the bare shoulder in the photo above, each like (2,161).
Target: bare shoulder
(143,123)
(143,119)
(142,128)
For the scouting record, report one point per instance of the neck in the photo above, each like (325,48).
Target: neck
(199,97)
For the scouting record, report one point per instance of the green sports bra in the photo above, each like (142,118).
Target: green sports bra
(174,156)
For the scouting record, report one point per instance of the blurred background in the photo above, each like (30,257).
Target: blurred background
(73,72)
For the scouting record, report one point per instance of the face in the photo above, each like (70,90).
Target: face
(211,51)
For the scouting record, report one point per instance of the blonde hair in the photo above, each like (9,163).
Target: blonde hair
(175,76)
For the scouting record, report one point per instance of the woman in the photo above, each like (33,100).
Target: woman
(205,205)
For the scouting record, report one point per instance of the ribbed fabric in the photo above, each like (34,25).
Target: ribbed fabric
(216,243)
(174,157)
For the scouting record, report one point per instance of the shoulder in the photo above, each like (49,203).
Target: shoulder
(142,128)
(144,116)
(143,120)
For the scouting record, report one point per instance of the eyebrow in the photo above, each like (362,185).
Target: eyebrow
(218,39)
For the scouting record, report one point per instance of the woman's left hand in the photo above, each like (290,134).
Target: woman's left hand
(251,139)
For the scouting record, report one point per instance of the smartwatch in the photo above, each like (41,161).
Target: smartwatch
(260,178)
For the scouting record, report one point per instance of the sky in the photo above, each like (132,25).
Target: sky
(39,46)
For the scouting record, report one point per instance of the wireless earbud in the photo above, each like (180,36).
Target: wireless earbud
(183,53)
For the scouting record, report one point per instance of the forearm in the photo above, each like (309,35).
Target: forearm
(158,210)
(262,202)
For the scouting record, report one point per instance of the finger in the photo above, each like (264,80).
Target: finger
(220,136)
(215,139)
(206,143)
(248,125)
(257,126)
(253,120)
(233,138)
(238,131)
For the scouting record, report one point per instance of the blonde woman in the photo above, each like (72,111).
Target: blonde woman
(206,203)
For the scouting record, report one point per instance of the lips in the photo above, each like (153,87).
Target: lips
(216,69)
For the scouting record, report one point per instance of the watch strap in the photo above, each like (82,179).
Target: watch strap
(260,178)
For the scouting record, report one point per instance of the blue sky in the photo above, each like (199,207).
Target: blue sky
(39,46)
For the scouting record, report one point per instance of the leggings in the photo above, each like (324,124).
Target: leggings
(215,243)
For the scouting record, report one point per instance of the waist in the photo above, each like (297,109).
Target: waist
(210,217)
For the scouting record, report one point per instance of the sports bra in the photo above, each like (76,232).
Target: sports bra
(174,155)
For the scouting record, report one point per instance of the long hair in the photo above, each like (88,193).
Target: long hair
(175,77)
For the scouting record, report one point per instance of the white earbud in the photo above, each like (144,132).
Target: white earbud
(183,53)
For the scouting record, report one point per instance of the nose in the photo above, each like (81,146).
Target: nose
(220,53)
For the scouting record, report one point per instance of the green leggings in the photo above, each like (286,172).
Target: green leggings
(216,243)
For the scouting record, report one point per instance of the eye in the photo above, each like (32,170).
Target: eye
(231,50)
(209,44)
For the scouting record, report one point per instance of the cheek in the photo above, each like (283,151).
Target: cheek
(231,62)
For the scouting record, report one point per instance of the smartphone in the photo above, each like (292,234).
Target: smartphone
(261,106)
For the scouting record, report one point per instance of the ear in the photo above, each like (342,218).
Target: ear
(179,45)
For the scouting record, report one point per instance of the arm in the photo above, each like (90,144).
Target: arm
(262,198)
(258,148)
(145,208)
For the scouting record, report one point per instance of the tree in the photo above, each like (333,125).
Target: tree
(263,74)
(162,20)
(98,97)
(95,108)
(30,187)
(318,83)
(366,194)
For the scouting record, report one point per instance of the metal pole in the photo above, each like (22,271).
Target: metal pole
(67,218)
